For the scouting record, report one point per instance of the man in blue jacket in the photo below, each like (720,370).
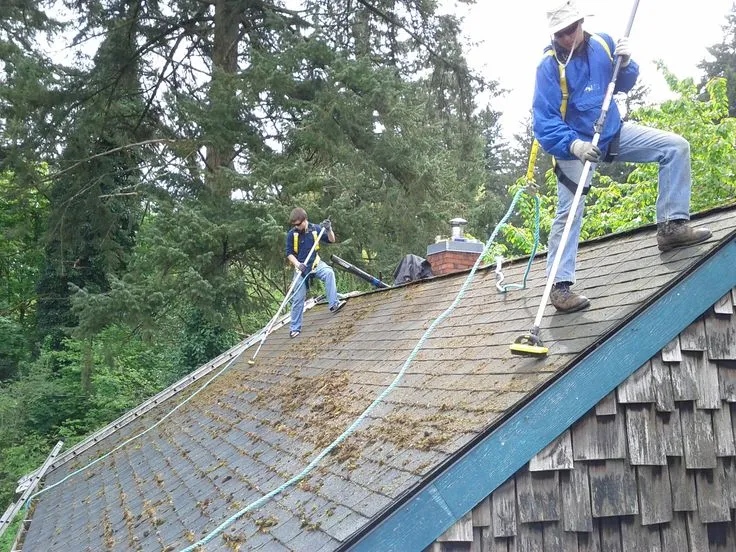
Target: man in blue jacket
(582,63)
(299,242)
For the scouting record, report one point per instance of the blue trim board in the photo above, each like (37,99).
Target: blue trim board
(482,469)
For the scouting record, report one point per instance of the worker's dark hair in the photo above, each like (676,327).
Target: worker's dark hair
(297,215)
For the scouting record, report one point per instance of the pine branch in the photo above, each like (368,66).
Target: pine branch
(108,152)
(435,54)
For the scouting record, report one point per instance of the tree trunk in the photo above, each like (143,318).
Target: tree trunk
(87,367)
(221,152)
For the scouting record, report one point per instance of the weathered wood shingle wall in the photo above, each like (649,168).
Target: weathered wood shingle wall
(651,468)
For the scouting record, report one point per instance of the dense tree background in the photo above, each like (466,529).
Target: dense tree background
(146,176)
(148,171)
(723,62)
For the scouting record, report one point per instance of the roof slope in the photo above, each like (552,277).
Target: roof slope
(651,467)
(255,427)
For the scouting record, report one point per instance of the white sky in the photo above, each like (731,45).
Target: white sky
(511,36)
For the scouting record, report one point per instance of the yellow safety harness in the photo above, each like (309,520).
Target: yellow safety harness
(563,105)
(316,240)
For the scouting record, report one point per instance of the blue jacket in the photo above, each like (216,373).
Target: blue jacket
(588,74)
(305,241)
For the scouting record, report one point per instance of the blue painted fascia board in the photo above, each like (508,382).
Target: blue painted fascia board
(476,474)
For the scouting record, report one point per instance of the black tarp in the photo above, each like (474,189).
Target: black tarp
(412,267)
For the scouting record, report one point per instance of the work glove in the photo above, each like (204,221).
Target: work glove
(327,225)
(585,151)
(303,268)
(624,50)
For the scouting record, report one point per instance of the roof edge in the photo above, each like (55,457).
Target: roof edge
(416,519)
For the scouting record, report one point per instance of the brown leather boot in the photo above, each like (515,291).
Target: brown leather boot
(677,233)
(566,300)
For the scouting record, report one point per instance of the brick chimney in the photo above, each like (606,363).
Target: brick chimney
(455,253)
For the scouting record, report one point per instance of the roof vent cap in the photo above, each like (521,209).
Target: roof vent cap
(458,234)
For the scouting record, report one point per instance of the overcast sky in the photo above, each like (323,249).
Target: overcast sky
(512,35)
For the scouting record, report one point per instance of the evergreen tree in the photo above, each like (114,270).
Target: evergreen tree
(25,76)
(22,222)
(724,64)
(95,197)
(327,108)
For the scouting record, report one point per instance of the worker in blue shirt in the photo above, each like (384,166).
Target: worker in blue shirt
(582,64)
(299,242)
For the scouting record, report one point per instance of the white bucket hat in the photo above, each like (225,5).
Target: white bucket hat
(563,15)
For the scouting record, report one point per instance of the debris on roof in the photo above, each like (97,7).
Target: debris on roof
(257,426)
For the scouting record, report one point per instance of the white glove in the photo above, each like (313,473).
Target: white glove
(585,151)
(624,50)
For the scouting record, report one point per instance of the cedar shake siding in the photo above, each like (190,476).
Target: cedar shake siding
(651,468)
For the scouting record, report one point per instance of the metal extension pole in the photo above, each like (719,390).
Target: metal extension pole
(292,287)
(587,169)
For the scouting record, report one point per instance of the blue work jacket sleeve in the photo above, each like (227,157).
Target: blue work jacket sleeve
(290,243)
(627,77)
(554,135)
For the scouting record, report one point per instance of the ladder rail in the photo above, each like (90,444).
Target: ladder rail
(160,397)
(13,509)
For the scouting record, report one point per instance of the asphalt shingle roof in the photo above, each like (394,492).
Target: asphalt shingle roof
(257,426)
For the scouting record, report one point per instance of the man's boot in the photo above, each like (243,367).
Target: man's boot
(677,233)
(566,300)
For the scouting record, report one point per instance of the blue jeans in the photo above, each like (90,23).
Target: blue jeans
(324,273)
(638,144)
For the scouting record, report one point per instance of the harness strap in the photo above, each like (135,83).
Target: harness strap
(567,182)
(563,79)
(602,41)
(315,236)
(563,82)
(532,161)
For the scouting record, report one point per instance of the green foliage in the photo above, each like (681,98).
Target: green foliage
(383,169)
(23,456)
(711,134)
(13,347)
(724,61)
(202,341)
(8,538)
(518,236)
(190,258)
(47,402)
(617,206)
(23,214)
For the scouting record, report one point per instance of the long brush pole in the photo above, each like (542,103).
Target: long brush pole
(352,269)
(292,287)
(587,168)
